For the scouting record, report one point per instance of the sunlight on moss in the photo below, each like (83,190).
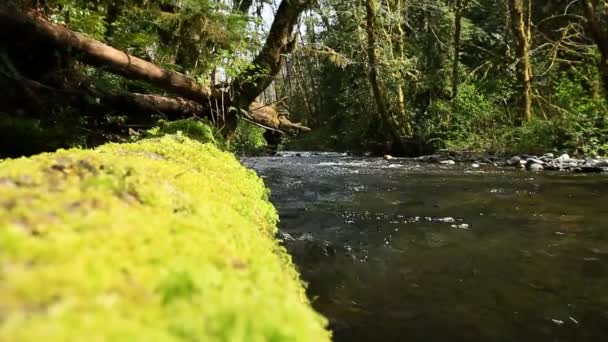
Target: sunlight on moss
(164,239)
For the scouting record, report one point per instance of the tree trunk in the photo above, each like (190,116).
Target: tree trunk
(101,55)
(521,13)
(198,99)
(600,36)
(458,7)
(268,62)
(373,76)
(242,6)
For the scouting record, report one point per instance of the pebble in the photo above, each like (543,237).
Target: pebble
(447,162)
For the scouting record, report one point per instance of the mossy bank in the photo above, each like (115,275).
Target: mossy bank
(164,239)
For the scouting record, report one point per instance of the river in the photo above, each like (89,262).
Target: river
(401,251)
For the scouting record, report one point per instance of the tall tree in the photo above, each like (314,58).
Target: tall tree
(377,91)
(599,33)
(458,9)
(521,20)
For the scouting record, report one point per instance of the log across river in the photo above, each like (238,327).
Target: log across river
(395,250)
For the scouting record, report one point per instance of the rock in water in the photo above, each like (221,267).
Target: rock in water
(602,163)
(388,157)
(447,162)
(533,161)
(563,158)
(513,161)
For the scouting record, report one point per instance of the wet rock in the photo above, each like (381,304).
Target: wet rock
(475,166)
(286,236)
(549,155)
(522,164)
(532,161)
(464,226)
(535,167)
(514,161)
(388,157)
(447,162)
(552,167)
(443,219)
(306,237)
(563,158)
(589,169)
(429,159)
(602,163)
(534,164)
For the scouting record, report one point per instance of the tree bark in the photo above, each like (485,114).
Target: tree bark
(521,22)
(458,7)
(197,99)
(93,52)
(268,62)
(600,36)
(37,97)
(242,6)
(373,76)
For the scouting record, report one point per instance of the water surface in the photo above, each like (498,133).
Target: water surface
(400,251)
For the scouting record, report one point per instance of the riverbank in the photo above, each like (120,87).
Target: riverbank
(164,239)
(546,162)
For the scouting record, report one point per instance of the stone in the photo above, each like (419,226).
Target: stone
(563,158)
(549,155)
(602,163)
(514,161)
(388,157)
(589,169)
(532,161)
(475,166)
(535,167)
(447,162)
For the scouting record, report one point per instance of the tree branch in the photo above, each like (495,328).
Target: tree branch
(267,64)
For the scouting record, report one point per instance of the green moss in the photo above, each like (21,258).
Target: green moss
(164,239)
(199,130)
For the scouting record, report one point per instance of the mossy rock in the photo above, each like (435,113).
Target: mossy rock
(164,239)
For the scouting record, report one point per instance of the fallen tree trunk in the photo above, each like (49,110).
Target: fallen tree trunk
(197,99)
(38,96)
(157,240)
(93,52)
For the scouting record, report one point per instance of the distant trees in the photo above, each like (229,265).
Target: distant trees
(173,94)
(460,74)
(394,76)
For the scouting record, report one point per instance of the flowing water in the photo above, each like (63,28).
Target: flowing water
(395,251)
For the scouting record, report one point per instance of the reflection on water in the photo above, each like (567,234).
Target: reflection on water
(404,252)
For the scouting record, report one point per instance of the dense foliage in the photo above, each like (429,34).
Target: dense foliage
(442,100)
(397,76)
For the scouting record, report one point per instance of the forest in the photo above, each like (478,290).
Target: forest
(303,170)
(396,76)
